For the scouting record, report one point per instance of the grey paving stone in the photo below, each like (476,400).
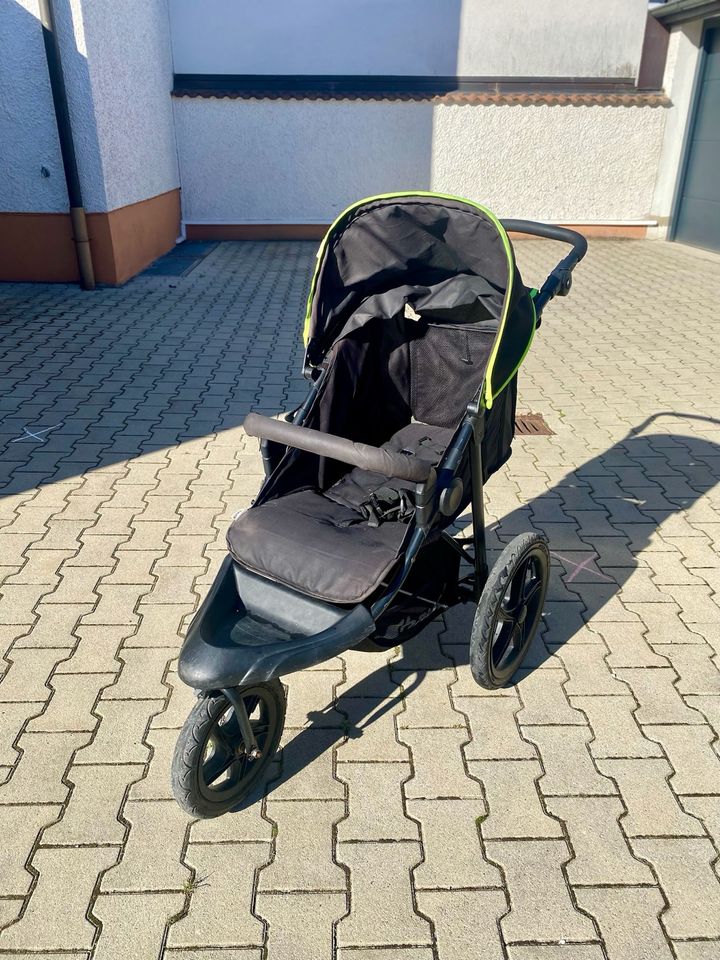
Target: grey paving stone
(151,383)
(615,731)
(541,908)
(438,768)
(569,769)
(466,922)
(707,810)
(544,700)
(374,786)
(371,730)
(695,949)
(514,806)
(628,645)
(22,825)
(13,718)
(134,926)
(653,809)
(303,847)
(155,785)
(383,912)
(27,677)
(694,758)
(301,924)
(658,697)
(151,857)
(72,702)
(305,770)
(628,919)
(60,899)
(685,867)
(93,811)
(602,855)
(696,668)
(494,729)
(226,874)
(38,776)
(565,951)
(453,850)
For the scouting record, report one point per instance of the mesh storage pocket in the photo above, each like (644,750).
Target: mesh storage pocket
(447,364)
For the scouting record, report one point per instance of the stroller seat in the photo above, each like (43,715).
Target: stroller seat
(334,544)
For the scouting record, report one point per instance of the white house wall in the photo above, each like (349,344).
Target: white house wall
(131,78)
(304,161)
(551,38)
(578,164)
(28,135)
(542,38)
(117,65)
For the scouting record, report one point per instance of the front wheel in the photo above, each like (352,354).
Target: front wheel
(212,770)
(509,610)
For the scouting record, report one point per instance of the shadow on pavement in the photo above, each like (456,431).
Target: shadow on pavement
(613,504)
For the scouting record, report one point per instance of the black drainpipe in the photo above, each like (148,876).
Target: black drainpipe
(67,147)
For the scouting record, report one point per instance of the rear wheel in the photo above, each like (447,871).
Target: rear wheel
(213,771)
(509,610)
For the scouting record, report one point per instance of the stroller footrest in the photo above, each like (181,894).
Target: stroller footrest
(250,630)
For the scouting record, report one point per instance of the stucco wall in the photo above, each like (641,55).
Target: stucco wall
(413,37)
(303,161)
(550,38)
(28,137)
(130,74)
(117,65)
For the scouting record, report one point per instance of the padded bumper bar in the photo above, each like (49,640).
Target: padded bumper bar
(376,459)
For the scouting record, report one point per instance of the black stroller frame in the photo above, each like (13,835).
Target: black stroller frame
(250,630)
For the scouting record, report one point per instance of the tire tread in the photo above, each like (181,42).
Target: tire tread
(183,773)
(491,598)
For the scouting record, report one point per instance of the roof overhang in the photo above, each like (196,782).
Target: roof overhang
(680,11)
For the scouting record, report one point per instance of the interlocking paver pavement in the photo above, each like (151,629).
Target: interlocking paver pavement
(411,815)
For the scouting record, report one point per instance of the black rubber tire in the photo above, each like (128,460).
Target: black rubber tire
(492,631)
(200,799)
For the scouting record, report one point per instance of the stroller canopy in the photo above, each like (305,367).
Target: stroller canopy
(438,257)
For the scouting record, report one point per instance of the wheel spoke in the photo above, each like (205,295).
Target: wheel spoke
(228,733)
(505,615)
(242,763)
(251,703)
(215,767)
(517,584)
(503,644)
(535,588)
(260,730)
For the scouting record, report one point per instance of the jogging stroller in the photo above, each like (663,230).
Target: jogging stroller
(417,323)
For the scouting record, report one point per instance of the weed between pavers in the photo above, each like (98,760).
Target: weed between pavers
(194,883)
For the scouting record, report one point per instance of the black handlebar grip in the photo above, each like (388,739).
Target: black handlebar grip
(376,459)
(549,231)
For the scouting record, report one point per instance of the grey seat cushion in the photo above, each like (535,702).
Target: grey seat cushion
(318,542)
(320,547)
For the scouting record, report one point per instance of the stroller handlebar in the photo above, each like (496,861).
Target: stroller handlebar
(388,463)
(548,231)
(560,280)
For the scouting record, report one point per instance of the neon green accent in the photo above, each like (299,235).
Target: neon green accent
(533,294)
(487,390)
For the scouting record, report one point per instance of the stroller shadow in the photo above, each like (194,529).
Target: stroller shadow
(598,518)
